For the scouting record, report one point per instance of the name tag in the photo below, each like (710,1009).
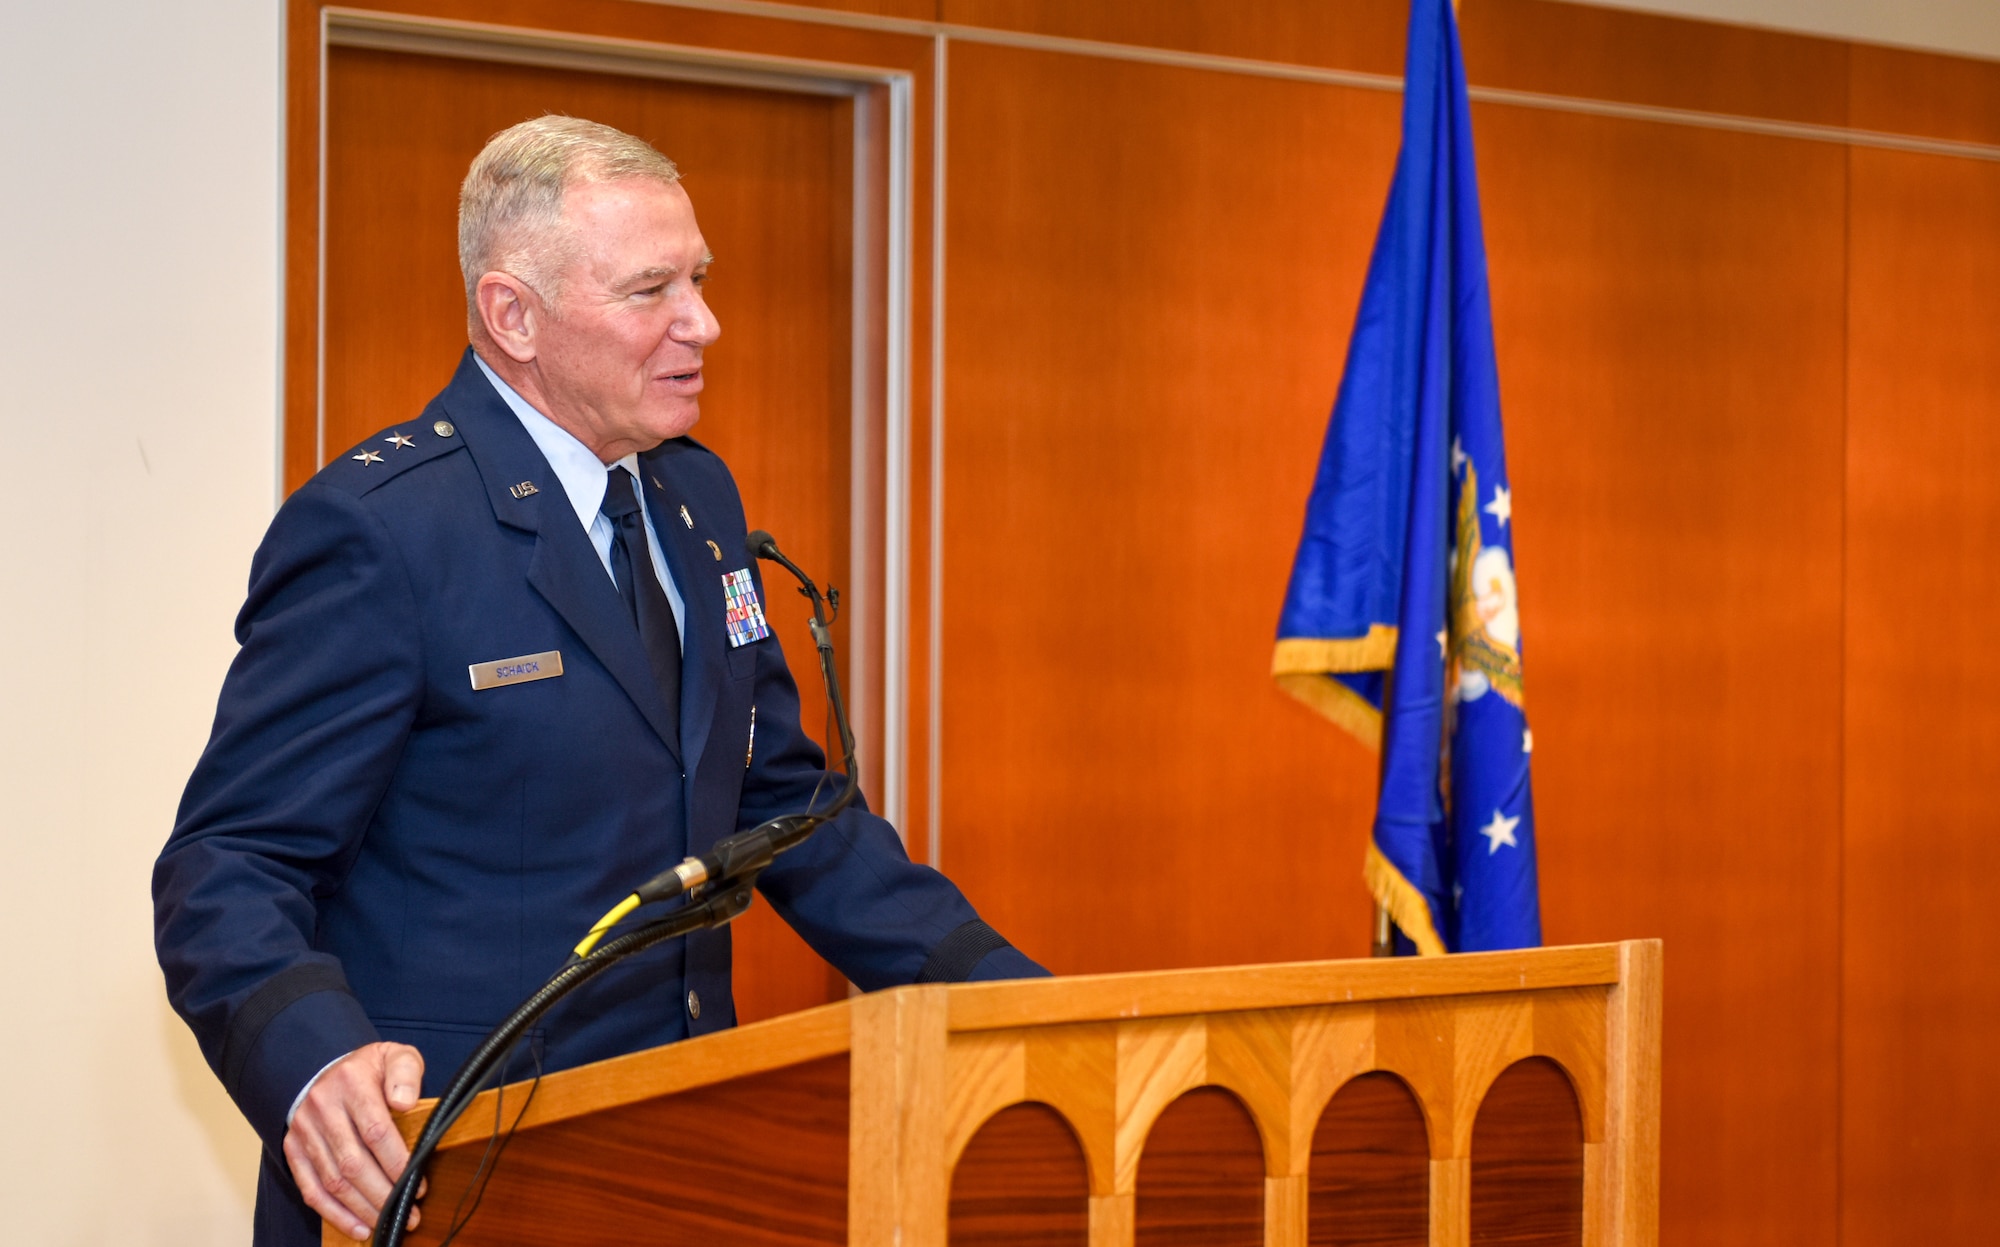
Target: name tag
(523,670)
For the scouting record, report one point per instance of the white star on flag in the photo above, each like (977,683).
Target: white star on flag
(1458,456)
(1500,831)
(1441,638)
(1502,506)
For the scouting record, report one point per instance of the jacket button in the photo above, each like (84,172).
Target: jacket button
(694,1004)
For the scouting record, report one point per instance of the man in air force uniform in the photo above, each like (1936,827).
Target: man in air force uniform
(486,685)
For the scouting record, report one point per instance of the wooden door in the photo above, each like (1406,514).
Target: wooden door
(771,176)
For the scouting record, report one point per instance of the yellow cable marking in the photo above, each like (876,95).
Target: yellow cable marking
(605,923)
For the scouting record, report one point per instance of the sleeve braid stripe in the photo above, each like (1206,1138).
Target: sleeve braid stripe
(959,953)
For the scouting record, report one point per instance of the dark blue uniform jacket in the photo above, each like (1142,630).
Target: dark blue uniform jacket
(369,848)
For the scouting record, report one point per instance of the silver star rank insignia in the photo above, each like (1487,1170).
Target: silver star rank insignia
(366,457)
(401,441)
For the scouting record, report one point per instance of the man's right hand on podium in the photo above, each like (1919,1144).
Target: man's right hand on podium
(343,1146)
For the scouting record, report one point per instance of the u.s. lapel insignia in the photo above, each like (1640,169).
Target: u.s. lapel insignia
(523,489)
(685,517)
(742,613)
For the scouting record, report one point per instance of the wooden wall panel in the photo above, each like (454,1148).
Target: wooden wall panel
(770,176)
(909,10)
(1140,355)
(1365,35)
(1600,53)
(1668,310)
(1921,1091)
(1904,92)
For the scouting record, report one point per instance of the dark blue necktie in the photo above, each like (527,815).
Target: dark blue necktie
(632,567)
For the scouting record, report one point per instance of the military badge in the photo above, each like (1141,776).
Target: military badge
(742,612)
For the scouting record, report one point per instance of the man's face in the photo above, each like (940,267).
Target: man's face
(620,362)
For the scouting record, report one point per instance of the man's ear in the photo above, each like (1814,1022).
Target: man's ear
(512,313)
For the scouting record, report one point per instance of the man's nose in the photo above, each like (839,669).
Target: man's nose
(696,325)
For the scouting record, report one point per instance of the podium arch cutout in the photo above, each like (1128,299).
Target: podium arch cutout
(1201,1174)
(1021,1178)
(1527,1171)
(1369,1170)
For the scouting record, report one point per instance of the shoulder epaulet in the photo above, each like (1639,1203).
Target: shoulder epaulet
(388,453)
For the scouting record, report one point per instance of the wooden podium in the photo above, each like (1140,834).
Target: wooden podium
(1489,1097)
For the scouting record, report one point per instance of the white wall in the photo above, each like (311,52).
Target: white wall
(138,343)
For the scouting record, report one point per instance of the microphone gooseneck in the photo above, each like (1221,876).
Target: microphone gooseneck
(762,545)
(718,887)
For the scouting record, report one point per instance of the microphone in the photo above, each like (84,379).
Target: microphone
(763,545)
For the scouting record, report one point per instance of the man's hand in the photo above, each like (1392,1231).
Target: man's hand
(343,1147)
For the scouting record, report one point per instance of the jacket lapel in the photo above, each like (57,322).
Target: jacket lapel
(698,576)
(564,568)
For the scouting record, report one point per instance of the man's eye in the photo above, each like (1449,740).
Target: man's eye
(700,279)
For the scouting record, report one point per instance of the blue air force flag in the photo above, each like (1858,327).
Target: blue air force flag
(1402,623)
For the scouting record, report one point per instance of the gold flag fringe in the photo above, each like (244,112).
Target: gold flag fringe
(1406,906)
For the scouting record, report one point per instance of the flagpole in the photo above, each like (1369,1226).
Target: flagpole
(1382,941)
